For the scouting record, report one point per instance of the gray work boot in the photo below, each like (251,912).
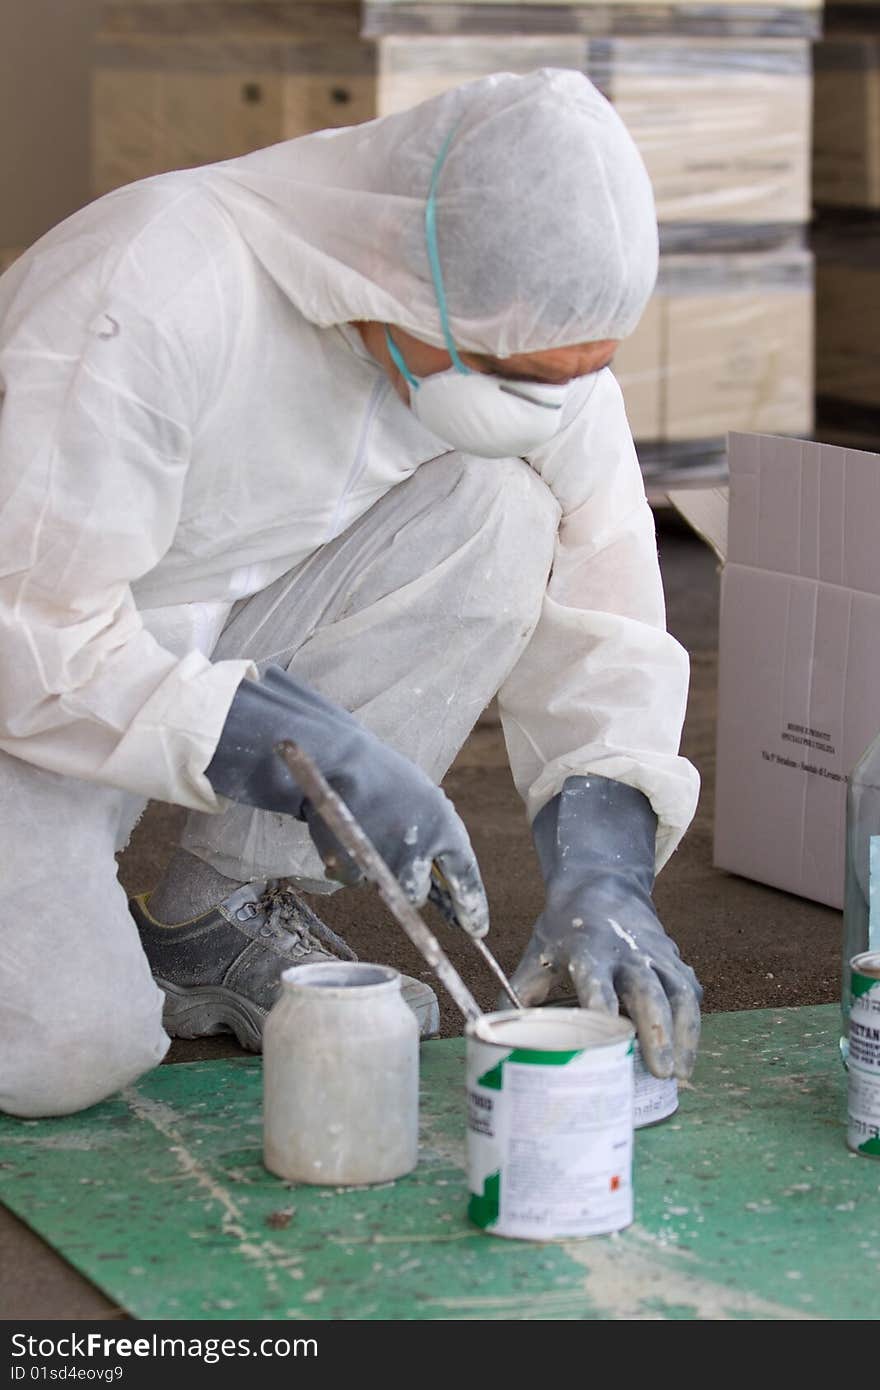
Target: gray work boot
(221,972)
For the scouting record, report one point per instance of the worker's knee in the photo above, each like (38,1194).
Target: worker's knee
(60,1059)
(504,508)
(507,491)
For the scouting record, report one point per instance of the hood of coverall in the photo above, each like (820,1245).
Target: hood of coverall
(546,227)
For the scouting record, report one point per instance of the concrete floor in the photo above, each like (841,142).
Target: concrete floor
(752,946)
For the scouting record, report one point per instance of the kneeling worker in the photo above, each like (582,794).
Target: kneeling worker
(322,443)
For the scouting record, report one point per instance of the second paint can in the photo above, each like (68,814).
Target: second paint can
(550,1123)
(863,1110)
(655,1098)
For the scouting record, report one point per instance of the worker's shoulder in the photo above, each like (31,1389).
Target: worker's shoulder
(174,244)
(158,246)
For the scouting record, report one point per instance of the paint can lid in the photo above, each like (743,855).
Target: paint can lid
(866,963)
(551,1030)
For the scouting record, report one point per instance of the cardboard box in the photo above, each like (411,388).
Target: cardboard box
(799,679)
(173,102)
(846,122)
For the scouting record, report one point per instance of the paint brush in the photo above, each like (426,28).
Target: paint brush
(338,819)
(441,897)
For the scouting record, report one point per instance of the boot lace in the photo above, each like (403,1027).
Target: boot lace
(287,918)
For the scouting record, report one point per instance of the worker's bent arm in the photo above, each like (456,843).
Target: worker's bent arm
(602,687)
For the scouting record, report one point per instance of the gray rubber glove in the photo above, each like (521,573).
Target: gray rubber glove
(595,843)
(409,820)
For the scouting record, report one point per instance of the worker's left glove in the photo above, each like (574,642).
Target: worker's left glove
(595,843)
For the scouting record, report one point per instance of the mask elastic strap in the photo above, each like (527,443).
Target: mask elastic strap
(397,359)
(434,255)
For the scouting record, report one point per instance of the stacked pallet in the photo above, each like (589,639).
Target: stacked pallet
(717,98)
(184,82)
(846,191)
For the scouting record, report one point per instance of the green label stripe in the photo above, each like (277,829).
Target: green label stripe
(870,1146)
(862,984)
(492,1079)
(483,1210)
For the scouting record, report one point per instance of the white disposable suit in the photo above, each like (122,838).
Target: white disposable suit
(186,418)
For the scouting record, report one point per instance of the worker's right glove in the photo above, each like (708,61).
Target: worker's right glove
(599,929)
(409,819)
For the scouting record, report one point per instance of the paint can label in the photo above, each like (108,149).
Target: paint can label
(654,1098)
(863,1107)
(550,1126)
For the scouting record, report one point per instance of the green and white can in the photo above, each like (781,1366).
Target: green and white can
(863,1108)
(550,1123)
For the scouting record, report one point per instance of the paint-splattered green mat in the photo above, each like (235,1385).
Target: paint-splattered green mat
(748,1204)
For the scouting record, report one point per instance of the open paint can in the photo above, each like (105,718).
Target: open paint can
(550,1123)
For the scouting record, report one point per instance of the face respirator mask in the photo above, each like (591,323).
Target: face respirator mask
(480,414)
(473,411)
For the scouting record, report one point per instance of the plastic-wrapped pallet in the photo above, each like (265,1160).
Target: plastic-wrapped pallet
(848,338)
(726,343)
(178,84)
(846,125)
(732,18)
(724,128)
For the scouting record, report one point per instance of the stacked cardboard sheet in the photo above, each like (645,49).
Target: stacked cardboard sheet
(725,344)
(732,18)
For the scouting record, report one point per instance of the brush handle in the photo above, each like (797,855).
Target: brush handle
(338,818)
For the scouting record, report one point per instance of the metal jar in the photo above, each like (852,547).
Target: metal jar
(550,1123)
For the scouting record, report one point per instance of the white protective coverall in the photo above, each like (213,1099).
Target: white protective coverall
(185,419)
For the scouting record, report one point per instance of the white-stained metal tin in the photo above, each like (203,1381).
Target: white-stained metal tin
(654,1098)
(863,1104)
(550,1123)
